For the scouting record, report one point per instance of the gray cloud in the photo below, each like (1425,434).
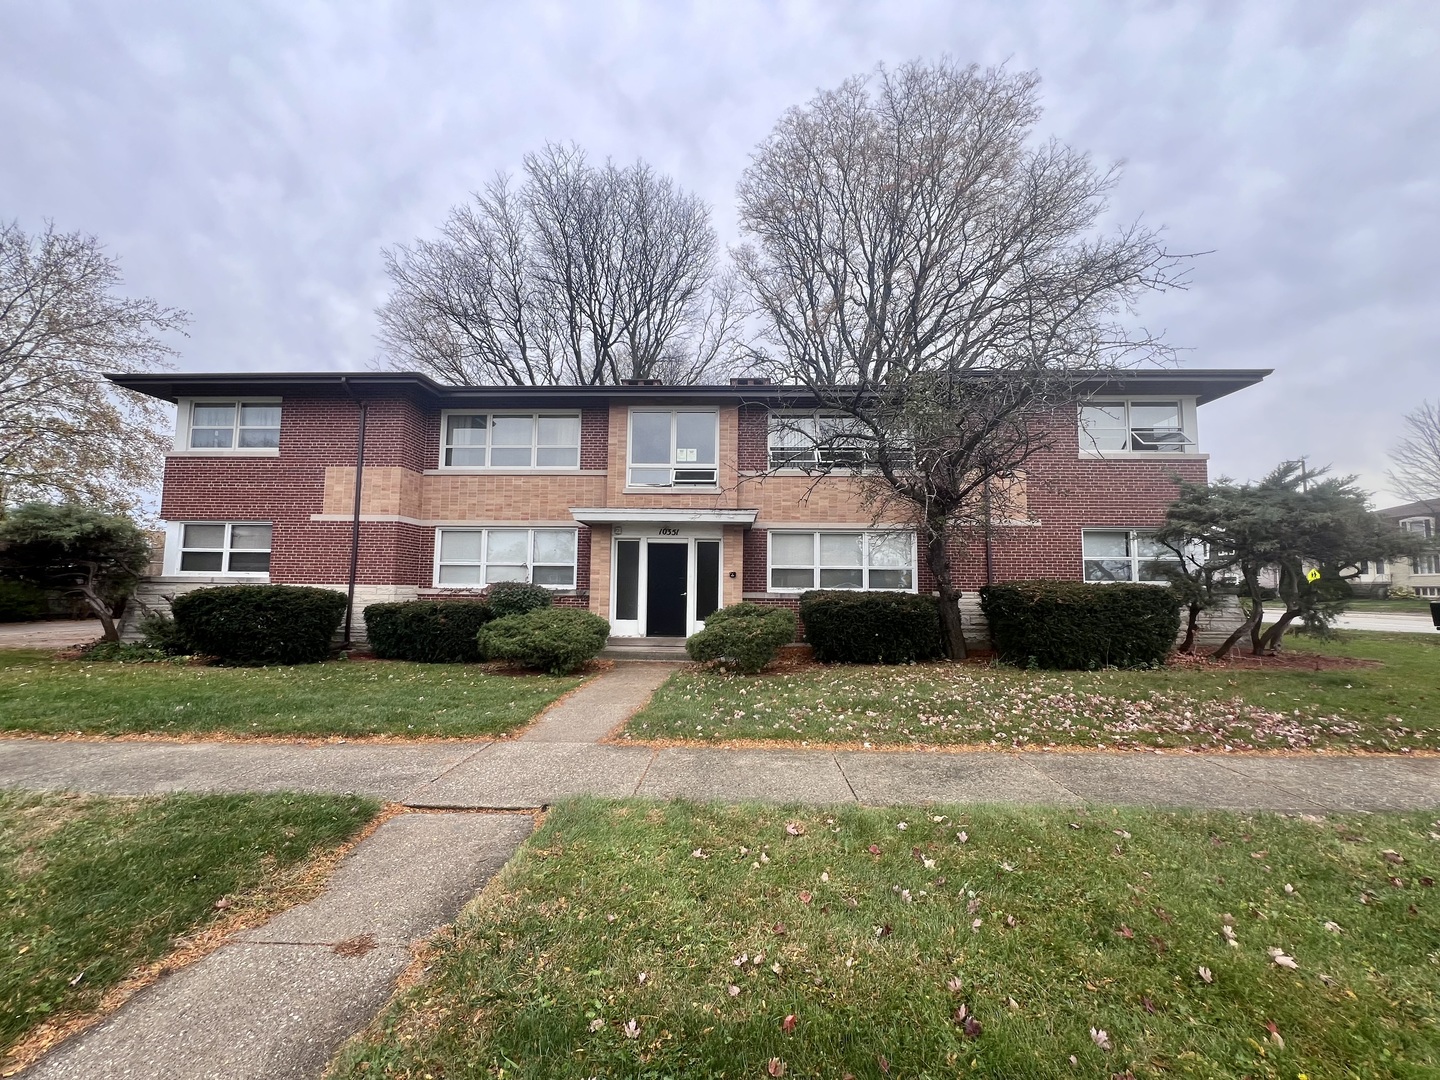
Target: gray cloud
(249,161)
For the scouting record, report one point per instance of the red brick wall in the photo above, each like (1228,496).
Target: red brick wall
(753,438)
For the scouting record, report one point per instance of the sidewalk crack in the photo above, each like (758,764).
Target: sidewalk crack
(1301,800)
(641,782)
(844,776)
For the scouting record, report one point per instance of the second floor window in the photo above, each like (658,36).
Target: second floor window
(815,442)
(1418,526)
(1134,427)
(234,425)
(673,447)
(511,441)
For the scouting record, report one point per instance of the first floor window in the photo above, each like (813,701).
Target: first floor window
(474,558)
(224,548)
(1427,564)
(842,560)
(1125,555)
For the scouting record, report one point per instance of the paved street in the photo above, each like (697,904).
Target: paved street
(1394,624)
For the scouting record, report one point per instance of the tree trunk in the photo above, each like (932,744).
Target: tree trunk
(1257,612)
(1274,636)
(1192,628)
(952,632)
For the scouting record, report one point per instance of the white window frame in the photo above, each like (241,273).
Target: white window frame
(1426,565)
(1188,443)
(1423,527)
(483,562)
(535,416)
(175,551)
(674,466)
(184,425)
(819,458)
(816,566)
(1135,559)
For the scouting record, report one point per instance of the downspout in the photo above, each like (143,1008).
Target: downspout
(355,515)
(989,538)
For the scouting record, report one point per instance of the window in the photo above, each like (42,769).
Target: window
(474,558)
(812,441)
(1366,568)
(1124,555)
(1427,564)
(234,425)
(224,548)
(511,441)
(1418,526)
(673,448)
(1134,426)
(842,560)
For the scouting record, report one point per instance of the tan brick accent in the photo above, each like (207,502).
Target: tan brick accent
(387,490)
(534,497)
(733,553)
(600,570)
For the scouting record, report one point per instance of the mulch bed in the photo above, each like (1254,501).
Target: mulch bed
(1284,661)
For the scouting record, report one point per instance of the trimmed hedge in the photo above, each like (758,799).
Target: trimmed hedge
(849,627)
(517,597)
(21,601)
(743,636)
(557,640)
(427,631)
(260,624)
(1075,625)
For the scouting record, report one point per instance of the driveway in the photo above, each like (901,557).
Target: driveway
(59,634)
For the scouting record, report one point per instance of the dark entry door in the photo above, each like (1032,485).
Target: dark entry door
(665,588)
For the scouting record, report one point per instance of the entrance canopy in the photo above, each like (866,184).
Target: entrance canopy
(617,515)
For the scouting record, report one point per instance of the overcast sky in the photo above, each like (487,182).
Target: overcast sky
(249,160)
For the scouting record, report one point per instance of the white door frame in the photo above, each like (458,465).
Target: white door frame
(646,535)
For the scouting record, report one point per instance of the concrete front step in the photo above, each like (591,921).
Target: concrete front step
(645,648)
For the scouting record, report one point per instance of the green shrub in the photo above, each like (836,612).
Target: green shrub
(517,598)
(427,631)
(260,624)
(1075,625)
(558,640)
(21,601)
(160,632)
(124,652)
(849,627)
(743,636)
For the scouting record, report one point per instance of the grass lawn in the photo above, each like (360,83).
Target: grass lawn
(1418,606)
(630,939)
(343,697)
(92,888)
(1393,707)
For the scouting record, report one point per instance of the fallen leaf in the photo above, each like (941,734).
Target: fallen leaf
(1121,833)
(776,1067)
(1074,824)
(733,990)
(1164,915)
(1011,1003)
(874,849)
(355,946)
(1428,882)
(1289,888)
(901,826)
(778,929)
(596,1024)
(1125,932)
(1274,1034)
(631,1029)
(962,837)
(1333,927)
(1148,1005)
(882,931)
(642,977)
(973,906)
(805,896)
(1278,955)
(884,1063)
(76,980)
(795,828)
(1158,944)
(1397,882)
(1100,1038)
(953,984)
(824,875)
(1393,857)
(1205,975)
(699,853)
(222,904)
(788,1024)
(1230,939)
(972,1028)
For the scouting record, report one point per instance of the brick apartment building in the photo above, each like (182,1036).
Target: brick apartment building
(650,505)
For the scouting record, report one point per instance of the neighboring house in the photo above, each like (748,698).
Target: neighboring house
(1421,573)
(651,505)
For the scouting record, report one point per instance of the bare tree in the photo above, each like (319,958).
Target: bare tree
(580,275)
(1415,459)
(64,431)
(938,280)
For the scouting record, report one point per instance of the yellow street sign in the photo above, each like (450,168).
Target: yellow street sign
(1313,576)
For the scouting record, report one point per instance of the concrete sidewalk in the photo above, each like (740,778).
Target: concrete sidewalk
(277,1001)
(520,774)
(599,705)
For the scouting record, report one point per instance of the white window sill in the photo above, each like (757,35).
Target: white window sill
(683,489)
(195,576)
(258,453)
(539,470)
(1139,455)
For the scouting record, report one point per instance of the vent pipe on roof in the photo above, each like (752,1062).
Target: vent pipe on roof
(642,382)
(750,380)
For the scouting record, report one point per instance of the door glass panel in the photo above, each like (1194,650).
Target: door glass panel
(651,440)
(627,580)
(707,578)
